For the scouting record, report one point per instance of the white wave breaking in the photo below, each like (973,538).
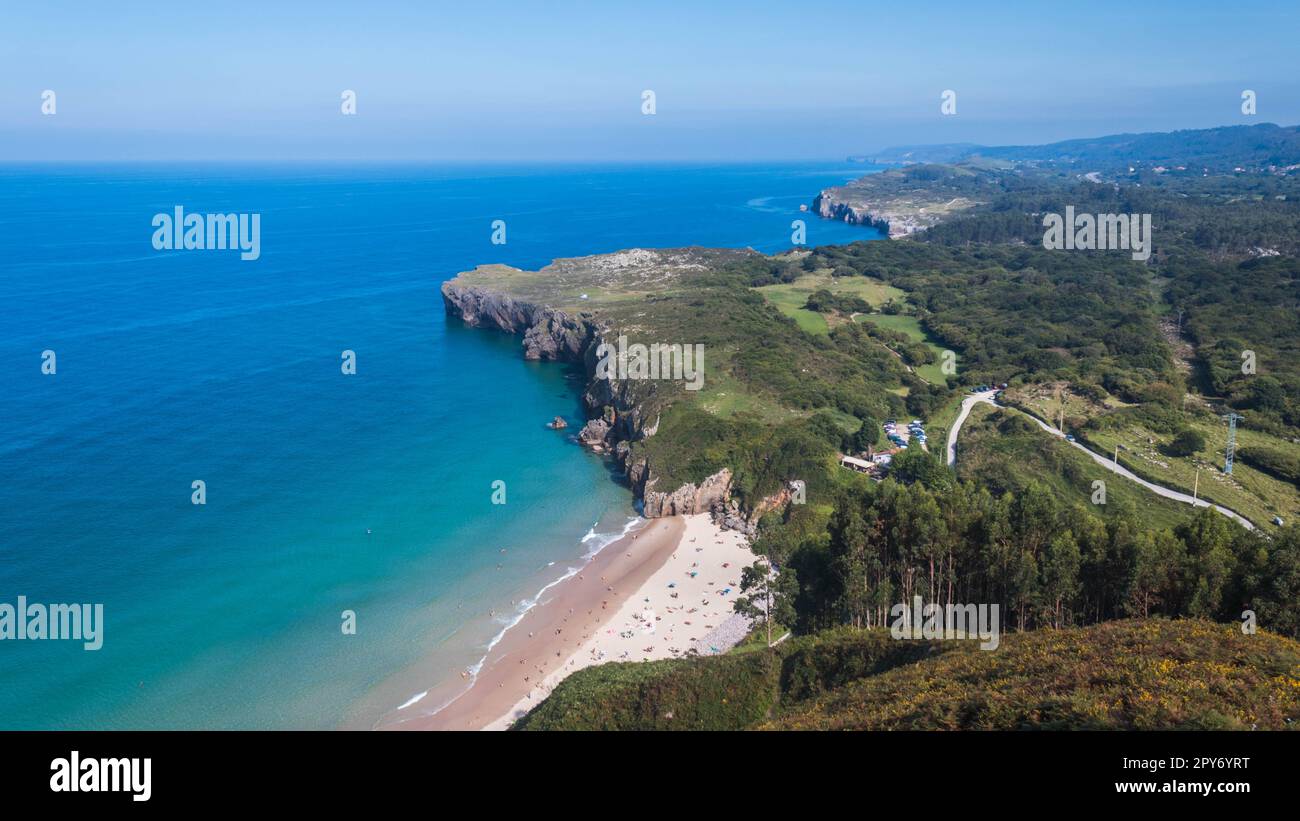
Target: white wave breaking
(596,541)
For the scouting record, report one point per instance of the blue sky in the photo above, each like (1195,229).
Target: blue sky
(562,81)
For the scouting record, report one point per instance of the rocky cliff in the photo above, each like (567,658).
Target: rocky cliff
(548,334)
(828,206)
(903,201)
(619,411)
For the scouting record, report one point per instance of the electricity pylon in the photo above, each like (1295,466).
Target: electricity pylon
(1232,440)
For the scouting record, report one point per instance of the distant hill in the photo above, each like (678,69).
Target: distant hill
(907,154)
(1218,150)
(1136,674)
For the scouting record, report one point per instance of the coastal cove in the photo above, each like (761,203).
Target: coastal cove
(326,493)
(453,374)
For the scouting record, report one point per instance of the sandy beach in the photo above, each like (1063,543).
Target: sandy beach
(658,592)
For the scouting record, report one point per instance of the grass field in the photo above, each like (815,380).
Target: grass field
(726,397)
(938,424)
(790,298)
(1255,495)
(1009,460)
(1048,400)
(911,326)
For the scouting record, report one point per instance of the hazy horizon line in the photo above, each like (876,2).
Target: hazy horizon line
(563,161)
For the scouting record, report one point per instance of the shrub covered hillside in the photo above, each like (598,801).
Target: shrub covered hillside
(729,692)
(1148,674)
(1127,675)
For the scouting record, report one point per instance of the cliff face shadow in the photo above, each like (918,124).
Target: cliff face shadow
(575,375)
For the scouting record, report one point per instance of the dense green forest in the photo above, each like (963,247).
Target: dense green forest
(1047,563)
(1227,256)
(1023,312)
(1248,311)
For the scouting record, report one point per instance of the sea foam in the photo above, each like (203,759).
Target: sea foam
(595,542)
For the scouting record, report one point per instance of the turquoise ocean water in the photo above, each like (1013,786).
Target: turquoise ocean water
(325,492)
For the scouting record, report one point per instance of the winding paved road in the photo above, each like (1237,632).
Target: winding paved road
(987,397)
(966,405)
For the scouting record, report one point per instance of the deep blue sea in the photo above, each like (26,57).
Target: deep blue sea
(325,492)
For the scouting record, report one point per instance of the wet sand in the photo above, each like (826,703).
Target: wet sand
(684,607)
(553,631)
